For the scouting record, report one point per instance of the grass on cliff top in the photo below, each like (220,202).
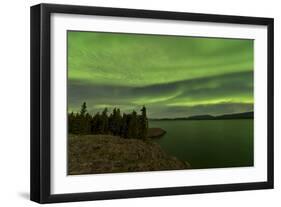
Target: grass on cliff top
(90,154)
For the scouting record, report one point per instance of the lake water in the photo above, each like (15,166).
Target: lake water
(209,143)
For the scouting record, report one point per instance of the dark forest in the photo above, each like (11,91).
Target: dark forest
(130,125)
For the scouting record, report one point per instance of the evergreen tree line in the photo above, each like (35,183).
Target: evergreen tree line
(127,125)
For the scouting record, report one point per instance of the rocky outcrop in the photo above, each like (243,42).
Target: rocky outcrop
(89,154)
(155,132)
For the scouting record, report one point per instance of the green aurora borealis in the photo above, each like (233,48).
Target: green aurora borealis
(173,76)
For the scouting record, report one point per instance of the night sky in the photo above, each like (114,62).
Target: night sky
(172,76)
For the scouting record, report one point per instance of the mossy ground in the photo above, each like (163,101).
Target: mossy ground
(89,154)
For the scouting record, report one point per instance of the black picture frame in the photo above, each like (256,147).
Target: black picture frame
(41,97)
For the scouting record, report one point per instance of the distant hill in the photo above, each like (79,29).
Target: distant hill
(201,117)
(245,115)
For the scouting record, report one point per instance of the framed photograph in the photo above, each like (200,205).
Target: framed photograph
(133,103)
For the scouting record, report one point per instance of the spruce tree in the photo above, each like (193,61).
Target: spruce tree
(83,109)
(134,124)
(104,122)
(143,123)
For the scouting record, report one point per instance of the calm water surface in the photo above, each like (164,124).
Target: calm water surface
(209,143)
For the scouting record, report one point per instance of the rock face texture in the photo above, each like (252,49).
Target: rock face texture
(90,154)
